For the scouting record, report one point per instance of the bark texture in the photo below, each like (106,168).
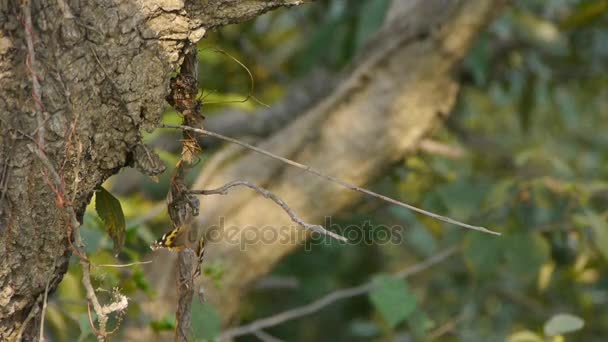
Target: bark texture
(103,68)
(395,94)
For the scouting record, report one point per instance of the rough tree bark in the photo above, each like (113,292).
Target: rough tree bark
(79,80)
(395,94)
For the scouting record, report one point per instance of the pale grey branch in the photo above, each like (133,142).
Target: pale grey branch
(333,179)
(267,194)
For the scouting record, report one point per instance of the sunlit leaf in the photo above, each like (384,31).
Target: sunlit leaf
(525,336)
(562,324)
(109,209)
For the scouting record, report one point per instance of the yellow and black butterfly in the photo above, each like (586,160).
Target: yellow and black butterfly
(177,240)
(170,240)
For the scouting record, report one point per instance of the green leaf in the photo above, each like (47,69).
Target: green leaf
(109,209)
(525,336)
(393,299)
(206,322)
(562,324)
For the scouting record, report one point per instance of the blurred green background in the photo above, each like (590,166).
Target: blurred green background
(532,163)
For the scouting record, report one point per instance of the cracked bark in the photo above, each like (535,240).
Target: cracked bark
(103,69)
(395,94)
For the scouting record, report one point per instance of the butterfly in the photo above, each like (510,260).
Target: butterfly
(173,240)
(169,240)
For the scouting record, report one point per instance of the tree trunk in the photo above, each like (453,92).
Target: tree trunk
(395,94)
(79,80)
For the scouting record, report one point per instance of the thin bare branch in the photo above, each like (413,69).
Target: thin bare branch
(223,190)
(125,265)
(330,298)
(333,179)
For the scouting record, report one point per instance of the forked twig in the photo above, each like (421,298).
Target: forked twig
(223,190)
(330,298)
(333,179)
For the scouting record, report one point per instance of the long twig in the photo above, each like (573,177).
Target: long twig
(332,179)
(223,190)
(330,298)
(125,265)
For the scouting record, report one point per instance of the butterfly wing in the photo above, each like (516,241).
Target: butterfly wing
(170,240)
